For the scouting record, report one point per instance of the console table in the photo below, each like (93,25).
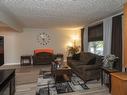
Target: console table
(7,82)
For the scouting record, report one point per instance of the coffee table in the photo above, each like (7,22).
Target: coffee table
(61,72)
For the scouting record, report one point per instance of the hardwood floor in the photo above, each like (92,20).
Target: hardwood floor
(26,78)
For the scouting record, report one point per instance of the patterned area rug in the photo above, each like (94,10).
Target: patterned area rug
(47,86)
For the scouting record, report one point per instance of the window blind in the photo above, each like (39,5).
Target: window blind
(95,33)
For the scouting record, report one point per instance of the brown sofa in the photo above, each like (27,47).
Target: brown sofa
(86,66)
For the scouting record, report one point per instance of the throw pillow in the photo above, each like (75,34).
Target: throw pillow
(76,56)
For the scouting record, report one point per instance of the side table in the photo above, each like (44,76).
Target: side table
(108,72)
(26,60)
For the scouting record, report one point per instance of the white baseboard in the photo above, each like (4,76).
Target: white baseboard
(19,63)
(12,64)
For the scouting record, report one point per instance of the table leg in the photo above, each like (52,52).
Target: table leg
(125,69)
(109,83)
(102,77)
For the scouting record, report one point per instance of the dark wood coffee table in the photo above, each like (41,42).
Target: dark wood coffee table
(61,72)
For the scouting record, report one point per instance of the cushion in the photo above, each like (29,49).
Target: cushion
(48,50)
(76,56)
(87,58)
(44,54)
(76,63)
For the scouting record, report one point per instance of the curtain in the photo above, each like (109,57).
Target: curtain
(107,35)
(116,46)
(86,39)
(82,39)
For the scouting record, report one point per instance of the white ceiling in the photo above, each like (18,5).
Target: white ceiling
(60,13)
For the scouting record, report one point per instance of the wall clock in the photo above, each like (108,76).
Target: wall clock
(43,38)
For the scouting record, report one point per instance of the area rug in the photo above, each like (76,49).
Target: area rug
(46,86)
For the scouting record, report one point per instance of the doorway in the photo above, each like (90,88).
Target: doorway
(1,50)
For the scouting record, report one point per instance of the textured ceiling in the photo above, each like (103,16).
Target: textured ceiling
(60,13)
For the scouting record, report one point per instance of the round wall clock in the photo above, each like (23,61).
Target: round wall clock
(43,38)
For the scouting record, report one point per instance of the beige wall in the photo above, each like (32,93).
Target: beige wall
(17,44)
(10,46)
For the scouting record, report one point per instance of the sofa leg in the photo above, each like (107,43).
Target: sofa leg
(98,79)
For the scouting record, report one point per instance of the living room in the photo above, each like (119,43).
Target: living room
(73,34)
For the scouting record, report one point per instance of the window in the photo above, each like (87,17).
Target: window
(96,47)
(95,39)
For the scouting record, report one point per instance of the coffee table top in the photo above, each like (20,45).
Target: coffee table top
(61,66)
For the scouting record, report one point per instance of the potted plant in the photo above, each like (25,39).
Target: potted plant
(73,50)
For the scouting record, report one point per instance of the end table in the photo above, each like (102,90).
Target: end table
(26,60)
(108,72)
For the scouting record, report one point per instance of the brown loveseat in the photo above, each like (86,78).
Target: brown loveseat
(86,66)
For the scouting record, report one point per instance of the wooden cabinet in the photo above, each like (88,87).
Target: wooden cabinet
(119,83)
(125,35)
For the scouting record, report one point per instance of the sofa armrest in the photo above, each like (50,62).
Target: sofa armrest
(99,60)
(89,67)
